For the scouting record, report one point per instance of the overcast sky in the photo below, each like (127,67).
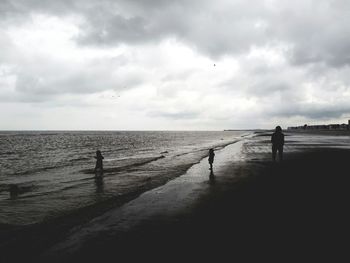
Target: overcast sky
(173,64)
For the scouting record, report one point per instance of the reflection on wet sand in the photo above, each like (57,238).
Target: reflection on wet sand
(211,177)
(99,184)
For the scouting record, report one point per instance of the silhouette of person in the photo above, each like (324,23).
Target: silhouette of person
(99,163)
(211,158)
(277,140)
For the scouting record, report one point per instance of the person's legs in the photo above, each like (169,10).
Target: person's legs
(274,151)
(280,153)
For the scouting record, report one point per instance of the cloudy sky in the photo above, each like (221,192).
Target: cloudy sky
(173,64)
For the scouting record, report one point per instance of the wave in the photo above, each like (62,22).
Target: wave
(28,133)
(205,149)
(36,170)
(145,149)
(69,162)
(142,161)
(80,159)
(74,184)
(21,187)
(8,153)
(115,150)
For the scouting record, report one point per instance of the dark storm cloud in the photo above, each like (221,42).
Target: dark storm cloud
(134,22)
(201,24)
(316,31)
(116,29)
(19,10)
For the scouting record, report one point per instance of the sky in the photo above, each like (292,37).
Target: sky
(173,65)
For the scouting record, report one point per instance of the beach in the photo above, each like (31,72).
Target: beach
(250,208)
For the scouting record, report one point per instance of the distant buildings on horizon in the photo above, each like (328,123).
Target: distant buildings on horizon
(342,126)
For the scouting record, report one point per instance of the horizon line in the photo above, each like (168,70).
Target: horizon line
(248,129)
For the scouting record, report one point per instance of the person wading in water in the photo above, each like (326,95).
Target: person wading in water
(211,158)
(99,163)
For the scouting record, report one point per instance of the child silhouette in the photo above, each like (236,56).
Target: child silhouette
(99,163)
(211,158)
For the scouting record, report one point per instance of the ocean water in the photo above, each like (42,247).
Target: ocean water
(54,170)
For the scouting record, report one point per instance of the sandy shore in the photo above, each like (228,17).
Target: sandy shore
(251,209)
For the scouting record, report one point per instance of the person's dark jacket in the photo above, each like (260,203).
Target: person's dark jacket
(277,139)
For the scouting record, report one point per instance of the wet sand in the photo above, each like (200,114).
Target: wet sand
(252,209)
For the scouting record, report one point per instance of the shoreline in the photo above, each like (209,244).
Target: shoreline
(169,201)
(119,182)
(42,235)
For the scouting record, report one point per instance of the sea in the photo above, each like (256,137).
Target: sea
(53,171)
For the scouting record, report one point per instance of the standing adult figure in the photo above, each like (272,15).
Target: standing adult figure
(277,140)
